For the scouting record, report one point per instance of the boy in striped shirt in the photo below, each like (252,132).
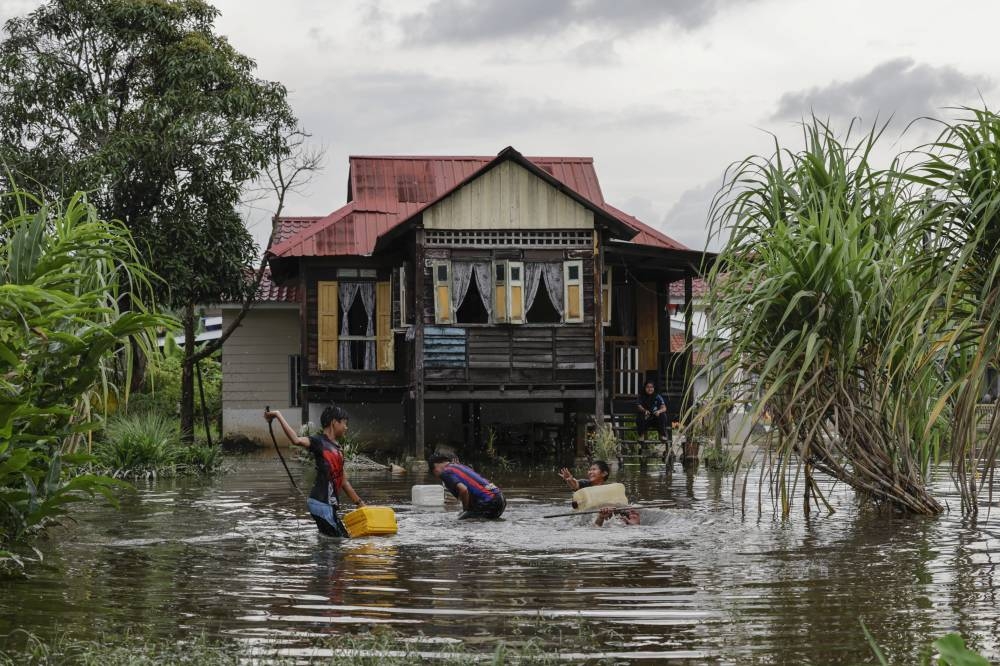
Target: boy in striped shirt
(480,498)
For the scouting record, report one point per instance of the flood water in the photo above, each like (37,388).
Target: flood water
(238,558)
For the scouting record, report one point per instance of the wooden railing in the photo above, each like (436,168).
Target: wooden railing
(623,362)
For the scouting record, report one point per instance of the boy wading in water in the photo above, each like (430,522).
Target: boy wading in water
(597,475)
(323,501)
(480,498)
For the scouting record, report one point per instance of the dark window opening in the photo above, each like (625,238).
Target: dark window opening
(357,325)
(574,272)
(472,310)
(542,311)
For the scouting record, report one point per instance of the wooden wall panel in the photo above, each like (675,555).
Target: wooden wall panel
(508,197)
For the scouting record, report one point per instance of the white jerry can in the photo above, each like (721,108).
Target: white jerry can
(427,495)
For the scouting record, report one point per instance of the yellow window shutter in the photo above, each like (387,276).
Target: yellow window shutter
(328,312)
(385,357)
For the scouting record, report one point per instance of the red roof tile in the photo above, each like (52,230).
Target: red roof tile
(271,292)
(699,288)
(385,190)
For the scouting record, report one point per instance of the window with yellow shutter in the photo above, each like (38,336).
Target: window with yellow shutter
(573,291)
(442,292)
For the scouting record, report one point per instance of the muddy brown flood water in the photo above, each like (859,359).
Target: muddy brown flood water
(238,559)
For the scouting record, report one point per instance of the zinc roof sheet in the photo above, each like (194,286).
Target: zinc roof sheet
(385,190)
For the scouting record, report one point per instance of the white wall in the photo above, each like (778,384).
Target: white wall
(255,369)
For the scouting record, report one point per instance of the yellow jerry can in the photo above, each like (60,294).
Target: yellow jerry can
(370,521)
(596,497)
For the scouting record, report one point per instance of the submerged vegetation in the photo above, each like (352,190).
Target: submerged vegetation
(63,355)
(853,306)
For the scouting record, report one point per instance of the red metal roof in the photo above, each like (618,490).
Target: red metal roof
(385,190)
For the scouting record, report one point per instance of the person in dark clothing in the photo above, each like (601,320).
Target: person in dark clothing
(324,501)
(480,498)
(597,475)
(652,410)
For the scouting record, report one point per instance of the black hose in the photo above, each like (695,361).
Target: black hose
(270,429)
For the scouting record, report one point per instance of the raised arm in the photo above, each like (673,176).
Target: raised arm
(570,480)
(288,430)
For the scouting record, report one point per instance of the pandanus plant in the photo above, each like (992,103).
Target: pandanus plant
(804,303)
(63,327)
(958,230)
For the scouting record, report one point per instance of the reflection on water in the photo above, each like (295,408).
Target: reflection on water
(239,558)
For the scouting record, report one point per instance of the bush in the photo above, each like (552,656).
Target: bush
(139,443)
(143,444)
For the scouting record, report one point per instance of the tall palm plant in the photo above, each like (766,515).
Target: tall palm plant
(62,329)
(958,229)
(804,298)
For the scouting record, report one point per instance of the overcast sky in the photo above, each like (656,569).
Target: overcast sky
(663,94)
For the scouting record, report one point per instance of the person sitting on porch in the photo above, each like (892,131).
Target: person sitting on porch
(480,498)
(652,409)
(597,475)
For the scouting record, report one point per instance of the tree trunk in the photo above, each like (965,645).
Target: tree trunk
(187,377)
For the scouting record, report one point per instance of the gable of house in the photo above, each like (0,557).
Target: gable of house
(507,197)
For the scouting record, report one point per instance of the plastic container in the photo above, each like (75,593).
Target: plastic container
(427,495)
(597,497)
(370,521)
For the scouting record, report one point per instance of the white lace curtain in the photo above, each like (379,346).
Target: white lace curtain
(348,292)
(484,282)
(367,291)
(549,273)
(462,274)
(553,274)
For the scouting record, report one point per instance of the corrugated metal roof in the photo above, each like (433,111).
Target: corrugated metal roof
(385,190)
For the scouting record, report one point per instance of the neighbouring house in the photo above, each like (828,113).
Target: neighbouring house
(454,299)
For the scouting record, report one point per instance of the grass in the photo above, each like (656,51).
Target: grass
(148,444)
(375,648)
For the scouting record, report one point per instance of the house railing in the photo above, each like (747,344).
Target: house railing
(623,359)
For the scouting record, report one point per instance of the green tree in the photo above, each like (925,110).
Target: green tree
(141,104)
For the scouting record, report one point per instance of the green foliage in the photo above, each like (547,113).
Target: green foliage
(806,300)
(951,651)
(62,329)
(602,443)
(957,212)
(161,119)
(379,647)
(145,444)
(161,391)
(139,443)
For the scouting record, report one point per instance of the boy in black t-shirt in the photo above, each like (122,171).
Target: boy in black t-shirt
(323,501)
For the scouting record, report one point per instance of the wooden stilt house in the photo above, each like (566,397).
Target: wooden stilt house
(475,283)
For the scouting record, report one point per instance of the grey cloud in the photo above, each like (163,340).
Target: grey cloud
(406,105)
(898,87)
(467,21)
(595,53)
(687,220)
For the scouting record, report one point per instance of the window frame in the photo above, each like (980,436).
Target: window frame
(567,283)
